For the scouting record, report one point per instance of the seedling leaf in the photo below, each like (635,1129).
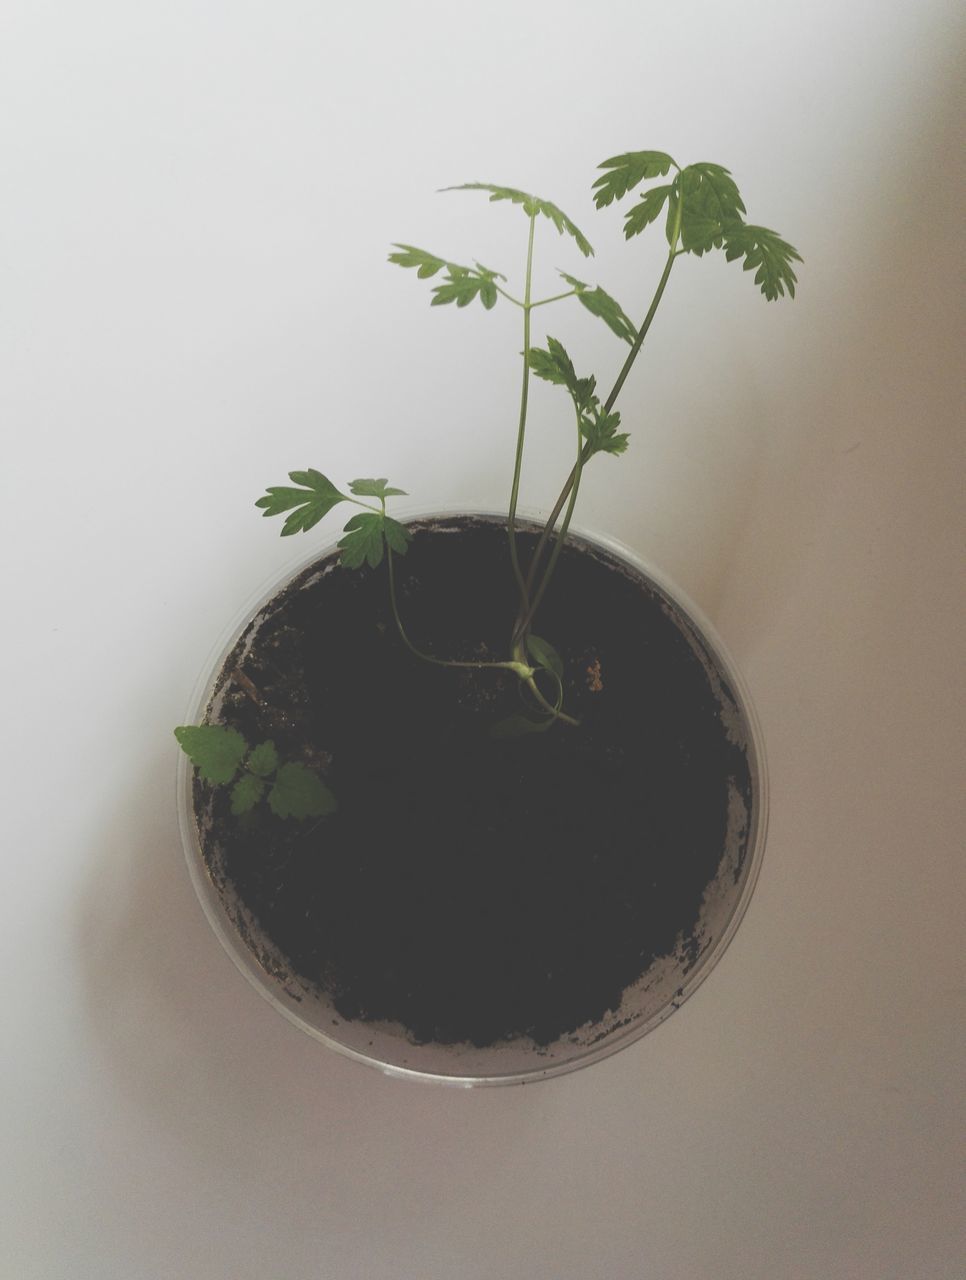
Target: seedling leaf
(363,541)
(397,535)
(601,304)
(311,502)
(532,205)
(766,251)
(545,655)
(246,793)
(600,432)
(263,760)
(374,489)
(648,211)
(300,793)
(627,171)
(217,752)
(461,285)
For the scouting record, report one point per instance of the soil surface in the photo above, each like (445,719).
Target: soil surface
(471,888)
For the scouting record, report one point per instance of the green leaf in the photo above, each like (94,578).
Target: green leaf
(709,199)
(363,540)
(600,432)
(462,284)
(397,535)
(627,171)
(246,793)
(554,365)
(427,264)
(519,725)
(601,304)
(311,502)
(766,251)
(532,205)
(545,655)
(216,751)
(648,211)
(300,793)
(263,759)
(374,489)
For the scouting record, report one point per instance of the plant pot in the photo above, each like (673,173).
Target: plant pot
(481,910)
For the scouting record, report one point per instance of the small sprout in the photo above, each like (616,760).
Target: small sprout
(219,754)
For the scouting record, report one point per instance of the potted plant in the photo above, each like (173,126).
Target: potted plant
(473,798)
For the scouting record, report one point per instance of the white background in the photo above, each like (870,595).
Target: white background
(197,203)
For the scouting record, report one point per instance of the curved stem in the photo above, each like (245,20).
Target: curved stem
(555,712)
(522,669)
(521,429)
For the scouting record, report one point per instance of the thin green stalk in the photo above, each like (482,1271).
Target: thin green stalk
(522,669)
(521,430)
(528,609)
(524,622)
(556,298)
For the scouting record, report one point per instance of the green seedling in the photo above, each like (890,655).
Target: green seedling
(702,211)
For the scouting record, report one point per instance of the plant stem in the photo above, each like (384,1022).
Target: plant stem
(521,430)
(556,298)
(573,480)
(555,712)
(523,622)
(522,669)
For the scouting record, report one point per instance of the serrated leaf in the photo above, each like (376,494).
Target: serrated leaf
(709,199)
(518,726)
(600,432)
(374,489)
(263,759)
(427,264)
(363,541)
(216,751)
(397,535)
(311,502)
(545,655)
(543,365)
(532,205)
(462,284)
(554,365)
(628,171)
(245,794)
(648,211)
(300,793)
(458,288)
(767,251)
(601,304)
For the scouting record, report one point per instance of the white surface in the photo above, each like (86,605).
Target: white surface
(197,204)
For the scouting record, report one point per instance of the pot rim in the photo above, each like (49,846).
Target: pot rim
(244,958)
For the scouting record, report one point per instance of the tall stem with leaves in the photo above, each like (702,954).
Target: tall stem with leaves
(522,425)
(705,212)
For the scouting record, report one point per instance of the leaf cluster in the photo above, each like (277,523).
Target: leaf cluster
(704,209)
(313,495)
(461,284)
(532,206)
(599,429)
(222,755)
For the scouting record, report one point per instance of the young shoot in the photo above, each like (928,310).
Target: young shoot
(702,212)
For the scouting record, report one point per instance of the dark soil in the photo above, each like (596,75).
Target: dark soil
(470,888)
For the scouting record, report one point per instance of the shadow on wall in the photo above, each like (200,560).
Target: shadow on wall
(875,364)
